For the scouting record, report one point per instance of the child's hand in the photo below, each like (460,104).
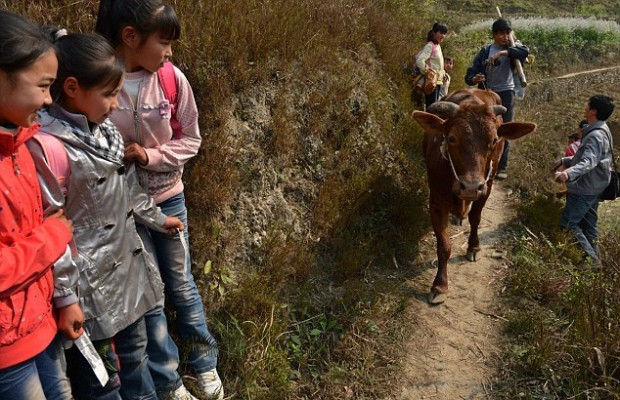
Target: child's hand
(60,215)
(172,224)
(561,176)
(135,152)
(70,320)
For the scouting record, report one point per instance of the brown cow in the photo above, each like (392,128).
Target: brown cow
(463,140)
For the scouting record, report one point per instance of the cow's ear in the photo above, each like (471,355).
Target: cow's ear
(515,130)
(429,122)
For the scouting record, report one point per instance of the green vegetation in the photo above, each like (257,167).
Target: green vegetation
(308,197)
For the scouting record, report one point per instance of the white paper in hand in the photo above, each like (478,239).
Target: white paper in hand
(183,242)
(94,359)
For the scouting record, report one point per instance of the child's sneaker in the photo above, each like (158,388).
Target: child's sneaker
(181,394)
(211,384)
(501,175)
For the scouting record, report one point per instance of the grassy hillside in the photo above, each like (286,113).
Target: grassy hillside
(564,321)
(308,196)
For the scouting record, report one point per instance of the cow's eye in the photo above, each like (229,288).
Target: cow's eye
(495,141)
(451,139)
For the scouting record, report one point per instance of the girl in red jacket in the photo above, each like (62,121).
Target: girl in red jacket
(29,244)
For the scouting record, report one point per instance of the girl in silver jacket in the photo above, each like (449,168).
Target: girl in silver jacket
(115,281)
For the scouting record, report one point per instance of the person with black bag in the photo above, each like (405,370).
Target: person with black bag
(587,174)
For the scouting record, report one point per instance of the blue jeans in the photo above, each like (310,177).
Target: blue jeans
(126,361)
(508,101)
(580,216)
(163,353)
(181,291)
(39,378)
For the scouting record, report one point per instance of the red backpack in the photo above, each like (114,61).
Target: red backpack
(168,82)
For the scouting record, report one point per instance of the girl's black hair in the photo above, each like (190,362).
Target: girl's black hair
(437,27)
(22,43)
(89,58)
(146,16)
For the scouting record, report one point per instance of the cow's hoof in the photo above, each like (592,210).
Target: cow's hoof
(435,297)
(472,256)
(457,221)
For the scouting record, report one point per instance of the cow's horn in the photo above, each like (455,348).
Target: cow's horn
(443,109)
(499,110)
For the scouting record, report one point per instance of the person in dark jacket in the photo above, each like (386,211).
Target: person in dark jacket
(493,69)
(587,174)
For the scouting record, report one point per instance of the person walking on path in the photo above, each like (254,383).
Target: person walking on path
(432,57)
(586,175)
(493,68)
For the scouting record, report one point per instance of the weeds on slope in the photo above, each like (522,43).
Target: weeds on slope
(564,327)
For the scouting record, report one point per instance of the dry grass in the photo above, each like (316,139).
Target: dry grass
(564,324)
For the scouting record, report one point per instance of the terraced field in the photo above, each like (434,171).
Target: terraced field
(557,105)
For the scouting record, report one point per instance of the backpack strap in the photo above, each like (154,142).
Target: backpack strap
(57,158)
(168,82)
(433,49)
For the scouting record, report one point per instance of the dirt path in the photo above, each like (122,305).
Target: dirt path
(452,352)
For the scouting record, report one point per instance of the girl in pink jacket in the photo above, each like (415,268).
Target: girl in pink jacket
(142,32)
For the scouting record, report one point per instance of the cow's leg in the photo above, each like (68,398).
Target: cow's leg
(439,219)
(475,215)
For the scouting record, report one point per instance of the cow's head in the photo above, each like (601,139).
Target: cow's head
(471,142)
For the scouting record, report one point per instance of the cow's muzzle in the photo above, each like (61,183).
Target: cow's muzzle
(471,191)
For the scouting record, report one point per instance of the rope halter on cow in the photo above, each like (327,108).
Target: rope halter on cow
(446,155)
(445,110)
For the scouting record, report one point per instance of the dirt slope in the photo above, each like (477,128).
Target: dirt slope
(452,353)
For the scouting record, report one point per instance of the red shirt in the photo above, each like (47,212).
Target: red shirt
(572,148)
(29,245)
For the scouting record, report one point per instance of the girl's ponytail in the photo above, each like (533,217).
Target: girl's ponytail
(90,59)
(104,19)
(53,33)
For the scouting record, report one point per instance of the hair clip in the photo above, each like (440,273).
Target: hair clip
(60,33)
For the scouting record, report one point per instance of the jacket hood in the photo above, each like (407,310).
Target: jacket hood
(55,121)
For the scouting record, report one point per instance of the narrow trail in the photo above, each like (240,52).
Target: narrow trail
(454,349)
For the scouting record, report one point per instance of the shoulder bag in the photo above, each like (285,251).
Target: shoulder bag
(612,191)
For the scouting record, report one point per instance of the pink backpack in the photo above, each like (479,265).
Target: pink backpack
(168,82)
(57,158)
